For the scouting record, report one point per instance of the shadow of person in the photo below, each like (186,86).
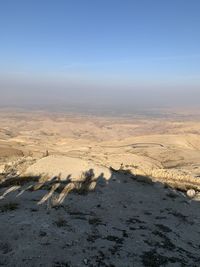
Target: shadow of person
(101,180)
(55,185)
(86,184)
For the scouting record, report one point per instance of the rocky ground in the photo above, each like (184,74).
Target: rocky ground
(122,222)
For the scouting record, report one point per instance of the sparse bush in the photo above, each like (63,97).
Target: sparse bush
(60,222)
(46,154)
(9,207)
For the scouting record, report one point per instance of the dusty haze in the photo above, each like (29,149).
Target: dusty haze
(84,95)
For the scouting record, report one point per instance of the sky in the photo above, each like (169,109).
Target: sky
(131,51)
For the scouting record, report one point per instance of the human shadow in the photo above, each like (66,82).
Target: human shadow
(57,188)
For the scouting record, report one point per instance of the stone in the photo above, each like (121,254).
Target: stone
(85,261)
(191,193)
(2,169)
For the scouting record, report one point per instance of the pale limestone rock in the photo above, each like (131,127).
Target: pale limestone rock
(2,169)
(191,193)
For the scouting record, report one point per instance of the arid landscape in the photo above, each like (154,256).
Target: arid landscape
(161,147)
(99,133)
(88,190)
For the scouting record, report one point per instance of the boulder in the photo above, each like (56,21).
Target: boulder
(191,193)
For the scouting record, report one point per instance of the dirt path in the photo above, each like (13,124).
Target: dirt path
(137,145)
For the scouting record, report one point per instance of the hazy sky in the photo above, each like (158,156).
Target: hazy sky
(99,50)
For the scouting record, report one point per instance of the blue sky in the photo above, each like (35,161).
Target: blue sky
(126,42)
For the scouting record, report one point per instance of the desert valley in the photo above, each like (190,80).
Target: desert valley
(94,190)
